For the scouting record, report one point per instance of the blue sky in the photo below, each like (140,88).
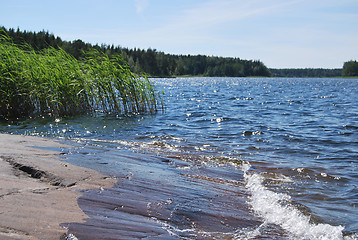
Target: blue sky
(280,33)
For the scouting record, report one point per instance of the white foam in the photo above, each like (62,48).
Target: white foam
(71,237)
(276,208)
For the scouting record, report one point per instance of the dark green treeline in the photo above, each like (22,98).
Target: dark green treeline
(306,72)
(156,63)
(150,61)
(350,69)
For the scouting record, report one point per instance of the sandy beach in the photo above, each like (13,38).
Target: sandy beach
(38,192)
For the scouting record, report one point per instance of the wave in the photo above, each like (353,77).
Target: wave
(277,208)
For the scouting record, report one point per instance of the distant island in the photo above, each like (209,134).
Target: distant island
(154,63)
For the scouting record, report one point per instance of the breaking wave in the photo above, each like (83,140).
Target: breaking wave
(277,208)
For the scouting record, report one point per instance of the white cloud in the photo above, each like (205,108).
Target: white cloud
(204,23)
(218,12)
(141,5)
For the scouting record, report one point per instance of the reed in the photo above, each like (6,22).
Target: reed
(52,82)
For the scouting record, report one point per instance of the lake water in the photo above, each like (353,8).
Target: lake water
(229,158)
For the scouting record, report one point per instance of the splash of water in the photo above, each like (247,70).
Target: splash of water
(276,208)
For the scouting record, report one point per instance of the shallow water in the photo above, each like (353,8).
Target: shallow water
(230,158)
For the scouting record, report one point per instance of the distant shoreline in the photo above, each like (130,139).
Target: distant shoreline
(339,77)
(159,64)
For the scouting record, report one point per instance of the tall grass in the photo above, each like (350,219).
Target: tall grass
(52,82)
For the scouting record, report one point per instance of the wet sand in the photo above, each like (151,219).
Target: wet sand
(38,193)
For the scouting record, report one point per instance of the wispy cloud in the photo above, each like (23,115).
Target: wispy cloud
(221,11)
(205,23)
(141,5)
(218,12)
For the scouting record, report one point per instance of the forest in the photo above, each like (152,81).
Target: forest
(306,72)
(350,69)
(151,62)
(155,63)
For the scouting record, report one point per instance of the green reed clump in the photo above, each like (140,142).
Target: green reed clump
(52,82)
